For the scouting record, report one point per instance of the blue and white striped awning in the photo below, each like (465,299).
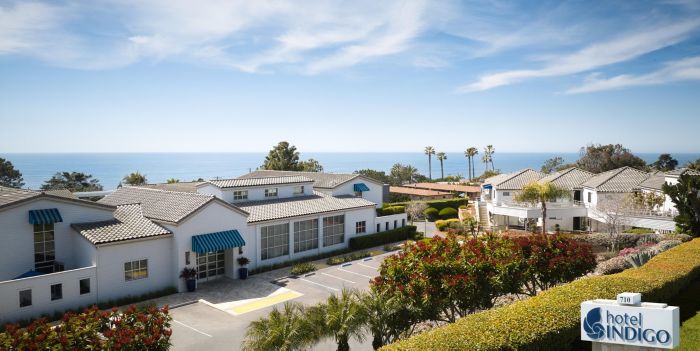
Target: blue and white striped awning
(217,241)
(487,186)
(360,187)
(45,216)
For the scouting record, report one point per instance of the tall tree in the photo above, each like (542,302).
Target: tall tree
(283,157)
(684,195)
(694,165)
(286,330)
(310,165)
(552,164)
(340,317)
(402,174)
(386,318)
(135,178)
(490,150)
(72,181)
(665,163)
(9,176)
(441,156)
(379,176)
(536,193)
(430,151)
(602,158)
(469,153)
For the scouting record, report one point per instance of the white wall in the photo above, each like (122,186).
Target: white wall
(397,219)
(257,193)
(41,294)
(17,234)
(111,283)
(375,193)
(211,189)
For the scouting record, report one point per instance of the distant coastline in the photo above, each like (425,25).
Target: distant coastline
(109,168)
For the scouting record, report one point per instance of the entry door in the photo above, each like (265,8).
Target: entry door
(577,195)
(210,265)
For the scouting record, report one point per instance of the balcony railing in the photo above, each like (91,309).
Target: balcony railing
(568,204)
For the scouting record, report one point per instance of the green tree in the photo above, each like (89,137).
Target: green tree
(135,178)
(441,156)
(489,150)
(310,165)
(684,195)
(430,151)
(694,165)
(379,176)
(340,317)
(472,225)
(665,163)
(72,181)
(285,330)
(469,153)
(386,318)
(9,176)
(172,181)
(537,193)
(602,158)
(283,157)
(401,174)
(552,164)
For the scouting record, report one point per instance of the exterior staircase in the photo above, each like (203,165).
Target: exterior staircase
(483,216)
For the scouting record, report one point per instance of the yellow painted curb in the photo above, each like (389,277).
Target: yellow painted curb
(264,302)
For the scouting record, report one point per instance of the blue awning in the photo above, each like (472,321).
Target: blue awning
(487,186)
(360,187)
(217,241)
(28,274)
(45,216)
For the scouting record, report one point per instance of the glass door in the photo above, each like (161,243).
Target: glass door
(210,265)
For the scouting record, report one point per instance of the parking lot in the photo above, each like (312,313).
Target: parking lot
(221,326)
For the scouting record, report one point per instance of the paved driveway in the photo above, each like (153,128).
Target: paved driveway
(220,324)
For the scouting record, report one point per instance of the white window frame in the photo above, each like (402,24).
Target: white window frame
(271,192)
(48,247)
(140,269)
(299,190)
(279,245)
(240,195)
(333,230)
(305,235)
(361,227)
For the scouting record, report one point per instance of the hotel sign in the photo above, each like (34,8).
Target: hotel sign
(628,321)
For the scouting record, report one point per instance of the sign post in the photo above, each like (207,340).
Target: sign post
(629,324)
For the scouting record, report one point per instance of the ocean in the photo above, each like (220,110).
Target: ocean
(110,168)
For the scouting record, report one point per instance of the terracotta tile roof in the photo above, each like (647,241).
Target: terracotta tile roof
(128,224)
(570,178)
(446,187)
(246,182)
(621,180)
(321,180)
(300,206)
(417,191)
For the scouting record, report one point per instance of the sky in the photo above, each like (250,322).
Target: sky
(363,75)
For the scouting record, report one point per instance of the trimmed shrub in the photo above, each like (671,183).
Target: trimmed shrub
(391,210)
(379,239)
(442,224)
(332,261)
(624,240)
(639,231)
(438,204)
(431,212)
(447,212)
(551,320)
(462,207)
(303,268)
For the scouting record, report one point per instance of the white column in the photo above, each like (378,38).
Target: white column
(291,239)
(320,234)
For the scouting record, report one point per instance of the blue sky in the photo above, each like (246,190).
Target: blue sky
(129,76)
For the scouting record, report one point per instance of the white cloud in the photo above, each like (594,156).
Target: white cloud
(620,49)
(681,70)
(26,26)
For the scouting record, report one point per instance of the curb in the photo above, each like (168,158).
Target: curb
(181,304)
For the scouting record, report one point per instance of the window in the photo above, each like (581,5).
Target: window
(240,195)
(274,241)
(360,227)
(25,298)
(358,194)
(299,190)
(56,292)
(333,230)
(44,249)
(386,226)
(84,286)
(396,223)
(210,264)
(306,235)
(506,193)
(271,192)
(187,257)
(379,227)
(135,270)
(589,197)
(403,222)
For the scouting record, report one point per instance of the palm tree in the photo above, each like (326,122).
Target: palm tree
(490,150)
(340,317)
(286,330)
(386,318)
(430,151)
(486,158)
(135,178)
(469,153)
(441,157)
(536,193)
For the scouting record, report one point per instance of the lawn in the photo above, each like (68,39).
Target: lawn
(689,303)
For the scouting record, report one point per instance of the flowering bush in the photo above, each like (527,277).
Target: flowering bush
(628,251)
(613,265)
(130,329)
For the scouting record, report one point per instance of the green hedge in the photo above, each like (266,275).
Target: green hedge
(438,204)
(550,320)
(379,239)
(448,212)
(390,210)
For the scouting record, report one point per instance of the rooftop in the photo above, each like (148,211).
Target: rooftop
(11,196)
(621,180)
(570,178)
(678,171)
(655,181)
(446,187)
(187,187)
(306,205)
(272,180)
(129,223)
(515,180)
(321,180)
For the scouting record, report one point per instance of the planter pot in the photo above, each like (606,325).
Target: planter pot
(243,272)
(191,285)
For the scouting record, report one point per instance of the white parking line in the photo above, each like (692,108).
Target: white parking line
(362,275)
(187,326)
(365,265)
(319,284)
(339,278)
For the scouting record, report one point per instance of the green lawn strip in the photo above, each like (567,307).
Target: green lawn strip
(689,303)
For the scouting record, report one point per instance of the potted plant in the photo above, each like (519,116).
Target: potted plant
(190,276)
(243,270)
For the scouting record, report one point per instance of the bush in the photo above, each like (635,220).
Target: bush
(628,251)
(391,210)
(675,236)
(551,320)
(332,261)
(441,224)
(300,260)
(430,212)
(379,239)
(624,240)
(447,212)
(437,204)
(613,265)
(462,207)
(639,231)
(303,268)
